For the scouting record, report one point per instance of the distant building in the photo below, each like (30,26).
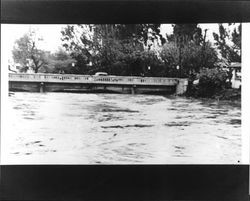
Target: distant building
(18,68)
(30,70)
(235,69)
(11,70)
(13,67)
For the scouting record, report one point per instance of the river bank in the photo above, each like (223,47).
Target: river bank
(228,94)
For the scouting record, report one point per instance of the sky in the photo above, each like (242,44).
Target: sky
(51,35)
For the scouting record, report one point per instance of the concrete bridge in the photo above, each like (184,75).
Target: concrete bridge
(94,84)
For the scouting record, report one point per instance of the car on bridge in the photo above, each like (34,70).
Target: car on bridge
(101,74)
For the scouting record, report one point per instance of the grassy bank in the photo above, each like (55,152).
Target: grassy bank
(223,94)
(228,94)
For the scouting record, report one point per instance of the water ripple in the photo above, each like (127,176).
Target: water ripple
(118,129)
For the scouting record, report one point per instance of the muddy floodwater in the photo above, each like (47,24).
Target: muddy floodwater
(70,128)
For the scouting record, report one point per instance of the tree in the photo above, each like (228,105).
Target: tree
(59,62)
(184,33)
(229,52)
(27,53)
(62,62)
(112,48)
(183,36)
(236,47)
(236,38)
(188,50)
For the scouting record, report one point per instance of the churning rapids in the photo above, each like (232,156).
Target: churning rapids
(69,128)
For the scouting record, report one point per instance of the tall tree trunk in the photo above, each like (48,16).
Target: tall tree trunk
(203,49)
(180,60)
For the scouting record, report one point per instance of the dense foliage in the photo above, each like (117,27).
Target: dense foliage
(116,49)
(211,81)
(59,62)
(188,49)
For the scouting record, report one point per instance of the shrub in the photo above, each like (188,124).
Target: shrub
(211,81)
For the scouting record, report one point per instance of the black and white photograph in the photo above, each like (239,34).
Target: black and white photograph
(124,100)
(122,93)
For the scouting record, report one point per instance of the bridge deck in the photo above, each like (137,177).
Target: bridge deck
(70,78)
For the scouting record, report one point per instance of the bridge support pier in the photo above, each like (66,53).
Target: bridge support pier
(133,89)
(41,87)
(181,87)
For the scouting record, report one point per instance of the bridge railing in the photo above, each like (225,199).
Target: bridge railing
(71,78)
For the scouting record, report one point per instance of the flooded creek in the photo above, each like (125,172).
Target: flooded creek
(68,128)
